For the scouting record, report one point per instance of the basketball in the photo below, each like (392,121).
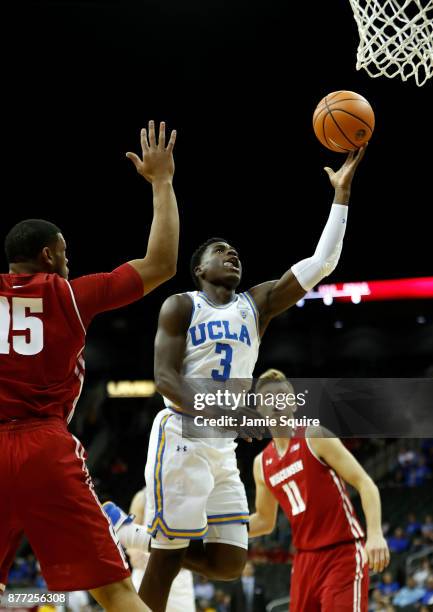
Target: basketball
(343,121)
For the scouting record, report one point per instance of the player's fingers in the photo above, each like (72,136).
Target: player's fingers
(361,153)
(161,137)
(152,138)
(172,140)
(143,139)
(370,557)
(329,171)
(382,563)
(135,159)
(376,560)
(387,557)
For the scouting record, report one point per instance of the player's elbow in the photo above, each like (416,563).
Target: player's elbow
(163,382)
(267,525)
(157,271)
(364,482)
(169,270)
(268,528)
(164,272)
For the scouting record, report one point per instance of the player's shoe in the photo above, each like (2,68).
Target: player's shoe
(117,517)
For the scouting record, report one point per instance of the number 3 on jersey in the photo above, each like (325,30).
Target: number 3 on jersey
(22,343)
(226,361)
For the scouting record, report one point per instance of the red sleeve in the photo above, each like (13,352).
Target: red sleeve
(96,293)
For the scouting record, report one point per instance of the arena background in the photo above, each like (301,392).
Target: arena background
(239,81)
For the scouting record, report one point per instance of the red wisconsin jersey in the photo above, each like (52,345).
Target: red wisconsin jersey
(312,495)
(43,322)
(41,341)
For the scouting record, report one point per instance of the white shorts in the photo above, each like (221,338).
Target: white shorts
(181,598)
(194,489)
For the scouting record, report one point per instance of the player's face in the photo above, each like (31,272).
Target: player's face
(60,262)
(276,399)
(220,265)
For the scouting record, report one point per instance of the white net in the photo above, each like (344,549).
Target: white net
(396,38)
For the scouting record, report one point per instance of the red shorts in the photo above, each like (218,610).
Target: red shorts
(47,494)
(330,580)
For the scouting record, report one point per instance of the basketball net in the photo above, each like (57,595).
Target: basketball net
(396,38)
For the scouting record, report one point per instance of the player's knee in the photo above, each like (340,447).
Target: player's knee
(230,567)
(167,561)
(112,594)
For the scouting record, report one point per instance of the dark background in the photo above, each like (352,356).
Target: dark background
(239,81)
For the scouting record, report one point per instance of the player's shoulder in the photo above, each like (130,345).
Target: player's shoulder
(320,441)
(267,452)
(176,310)
(317,431)
(179,301)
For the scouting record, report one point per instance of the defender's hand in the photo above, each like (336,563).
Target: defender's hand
(157,163)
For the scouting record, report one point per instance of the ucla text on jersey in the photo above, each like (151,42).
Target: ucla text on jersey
(222,340)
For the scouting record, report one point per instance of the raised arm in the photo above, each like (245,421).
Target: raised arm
(273,297)
(344,463)
(264,518)
(157,167)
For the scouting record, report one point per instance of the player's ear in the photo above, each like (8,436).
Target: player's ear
(198,270)
(46,256)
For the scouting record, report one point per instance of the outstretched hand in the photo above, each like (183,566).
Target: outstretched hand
(157,161)
(342,179)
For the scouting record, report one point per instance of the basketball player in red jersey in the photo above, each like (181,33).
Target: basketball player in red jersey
(47,492)
(305,475)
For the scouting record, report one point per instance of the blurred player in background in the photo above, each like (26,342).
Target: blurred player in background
(181,598)
(305,475)
(47,492)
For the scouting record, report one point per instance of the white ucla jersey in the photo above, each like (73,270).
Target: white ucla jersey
(222,341)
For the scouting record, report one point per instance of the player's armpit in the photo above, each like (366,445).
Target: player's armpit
(95,293)
(336,455)
(274,297)
(152,272)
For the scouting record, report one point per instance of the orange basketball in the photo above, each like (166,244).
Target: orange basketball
(343,121)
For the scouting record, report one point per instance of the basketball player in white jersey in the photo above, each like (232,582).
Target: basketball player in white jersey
(197,507)
(181,598)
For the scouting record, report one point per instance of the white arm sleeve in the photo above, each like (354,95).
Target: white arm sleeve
(312,270)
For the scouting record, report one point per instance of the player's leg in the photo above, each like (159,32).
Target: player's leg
(217,561)
(9,542)
(345,581)
(118,597)
(11,531)
(130,534)
(304,585)
(223,552)
(182,597)
(137,577)
(179,481)
(161,570)
(61,515)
